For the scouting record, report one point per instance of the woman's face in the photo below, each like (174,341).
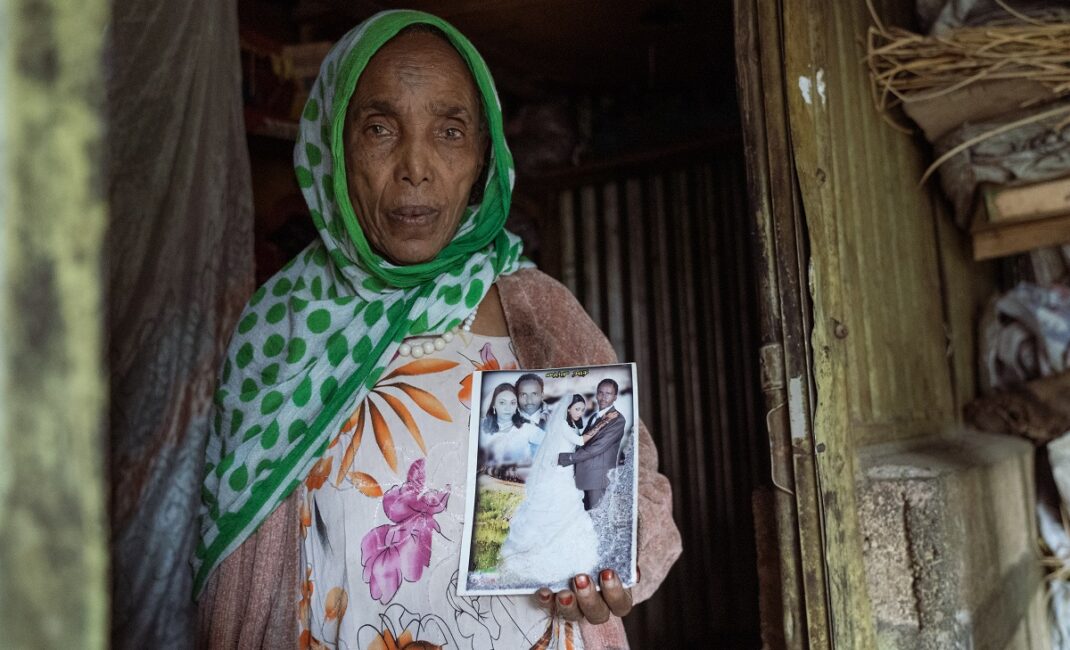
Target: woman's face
(575,412)
(505,404)
(414,147)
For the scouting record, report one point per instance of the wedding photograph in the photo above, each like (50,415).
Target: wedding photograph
(551,478)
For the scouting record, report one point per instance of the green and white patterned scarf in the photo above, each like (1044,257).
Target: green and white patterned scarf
(317,336)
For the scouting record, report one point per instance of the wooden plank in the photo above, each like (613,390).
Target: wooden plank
(1032,201)
(53,390)
(1010,237)
(810,43)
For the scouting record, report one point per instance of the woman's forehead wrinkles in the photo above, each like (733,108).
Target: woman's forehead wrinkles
(415,73)
(451,108)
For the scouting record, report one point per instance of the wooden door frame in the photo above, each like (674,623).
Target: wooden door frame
(788,146)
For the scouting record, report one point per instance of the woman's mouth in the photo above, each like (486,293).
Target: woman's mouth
(414,215)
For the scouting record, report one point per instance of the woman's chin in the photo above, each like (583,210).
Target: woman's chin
(414,252)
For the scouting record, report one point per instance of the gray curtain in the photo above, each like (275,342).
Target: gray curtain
(180,268)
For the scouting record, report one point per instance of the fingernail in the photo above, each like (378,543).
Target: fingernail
(566,600)
(608,575)
(582,582)
(544,597)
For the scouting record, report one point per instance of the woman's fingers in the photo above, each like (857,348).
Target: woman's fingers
(616,597)
(567,606)
(592,605)
(545,598)
(584,601)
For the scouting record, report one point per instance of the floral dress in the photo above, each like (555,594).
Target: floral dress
(382,515)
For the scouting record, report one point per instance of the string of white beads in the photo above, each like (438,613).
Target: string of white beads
(417,350)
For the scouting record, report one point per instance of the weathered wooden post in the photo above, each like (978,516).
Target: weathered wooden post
(53,533)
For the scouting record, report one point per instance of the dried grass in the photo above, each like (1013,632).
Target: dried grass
(906,67)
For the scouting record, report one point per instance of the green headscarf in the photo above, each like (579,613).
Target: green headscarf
(318,335)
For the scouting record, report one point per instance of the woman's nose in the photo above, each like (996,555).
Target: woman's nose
(415,166)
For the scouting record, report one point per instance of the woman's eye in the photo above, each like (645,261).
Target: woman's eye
(454,133)
(377,130)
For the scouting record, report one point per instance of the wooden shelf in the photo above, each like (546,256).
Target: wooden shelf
(1016,219)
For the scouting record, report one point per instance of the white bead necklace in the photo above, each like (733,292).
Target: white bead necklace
(417,350)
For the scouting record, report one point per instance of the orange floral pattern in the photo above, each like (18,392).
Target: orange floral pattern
(487,361)
(304,611)
(337,601)
(320,471)
(306,517)
(368,409)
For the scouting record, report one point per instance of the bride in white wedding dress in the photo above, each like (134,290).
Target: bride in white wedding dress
(551,537)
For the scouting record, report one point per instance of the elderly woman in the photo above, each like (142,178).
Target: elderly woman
(335,476)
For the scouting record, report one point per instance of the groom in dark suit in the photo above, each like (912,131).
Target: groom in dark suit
(599,454)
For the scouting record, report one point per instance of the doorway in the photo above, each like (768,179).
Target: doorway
(623,122)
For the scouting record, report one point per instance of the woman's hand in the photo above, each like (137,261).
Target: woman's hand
(584,601)
(586,437)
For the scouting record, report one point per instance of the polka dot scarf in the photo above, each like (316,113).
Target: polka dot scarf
(317,336)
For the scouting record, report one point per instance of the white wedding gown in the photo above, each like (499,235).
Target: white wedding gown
(551,537)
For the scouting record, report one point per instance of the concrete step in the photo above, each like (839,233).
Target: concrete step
(948,526)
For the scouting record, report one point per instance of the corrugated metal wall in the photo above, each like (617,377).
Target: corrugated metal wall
(657,250)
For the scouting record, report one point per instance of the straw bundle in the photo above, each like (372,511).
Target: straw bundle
(906,67)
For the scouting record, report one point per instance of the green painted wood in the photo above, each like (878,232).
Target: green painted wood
(53,533)
(786,356)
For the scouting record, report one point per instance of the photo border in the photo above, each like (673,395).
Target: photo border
(471,478)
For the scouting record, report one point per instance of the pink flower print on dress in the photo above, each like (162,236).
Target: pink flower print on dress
(400,551)
(410,499)
(396,552)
